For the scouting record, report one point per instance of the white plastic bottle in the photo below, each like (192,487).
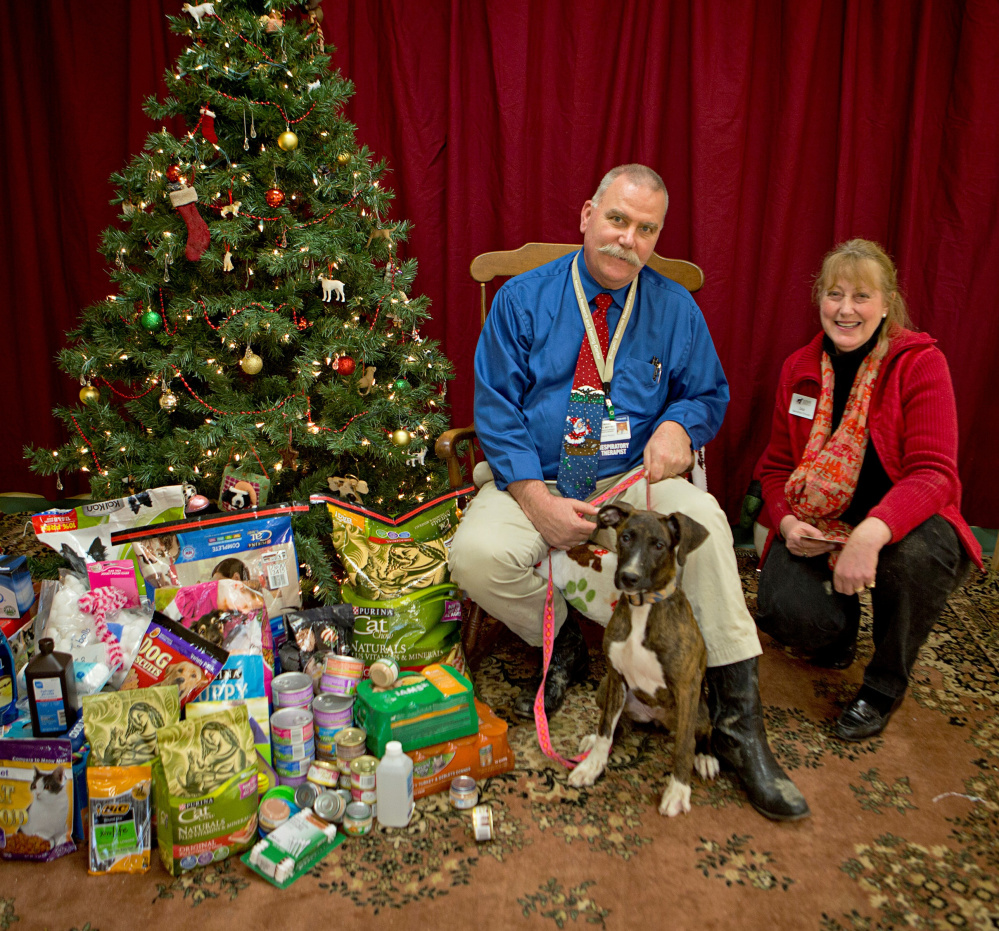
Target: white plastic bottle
(394,787)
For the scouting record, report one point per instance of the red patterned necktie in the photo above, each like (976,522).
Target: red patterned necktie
(577,469)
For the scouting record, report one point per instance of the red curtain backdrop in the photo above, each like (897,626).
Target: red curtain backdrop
(779,128)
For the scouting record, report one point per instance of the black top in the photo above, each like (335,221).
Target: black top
(873,482)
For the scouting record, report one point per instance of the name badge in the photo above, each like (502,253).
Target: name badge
(802,406)
(615,436)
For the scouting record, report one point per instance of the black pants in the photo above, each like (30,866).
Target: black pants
(798,607)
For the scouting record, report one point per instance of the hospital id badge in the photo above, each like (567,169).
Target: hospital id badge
(615,436)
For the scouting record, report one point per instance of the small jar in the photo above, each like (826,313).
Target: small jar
(464,793)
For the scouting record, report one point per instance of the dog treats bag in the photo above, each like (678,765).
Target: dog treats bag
(254,549)
(36,799)
(120,822)
(313,633)
(121,726)
(205,786)
(398,581)
(242,490)
(83,535)
(170,654)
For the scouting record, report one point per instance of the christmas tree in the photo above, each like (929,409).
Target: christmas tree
(260,321)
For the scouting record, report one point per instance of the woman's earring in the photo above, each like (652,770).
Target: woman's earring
(884,316)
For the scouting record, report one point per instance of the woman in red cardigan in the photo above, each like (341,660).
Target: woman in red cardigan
(860,486)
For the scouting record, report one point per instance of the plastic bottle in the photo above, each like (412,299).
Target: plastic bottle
(394,787)
(8,683)
(51,686)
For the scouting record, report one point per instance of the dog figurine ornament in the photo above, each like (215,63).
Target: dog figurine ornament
(655,653)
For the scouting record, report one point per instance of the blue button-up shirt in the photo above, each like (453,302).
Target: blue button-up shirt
(526,358)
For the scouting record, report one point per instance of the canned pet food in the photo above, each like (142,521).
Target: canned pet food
(341,674)
(287,752)
(362,779)
(273,812)
(324,774)
(344,783)
(306,794)
(464,792)
(345,795)
(333,711)
(292,781)
(299,769)
(350,744)
(292,725)
(357,819)
(482,823)
(384,672)
(291,690)
(330,807)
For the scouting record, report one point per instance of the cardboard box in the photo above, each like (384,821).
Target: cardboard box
(486,753)
(16,592)
(422,709)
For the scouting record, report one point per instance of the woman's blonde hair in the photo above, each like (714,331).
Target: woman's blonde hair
(852,261)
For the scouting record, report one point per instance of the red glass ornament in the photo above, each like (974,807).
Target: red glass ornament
(274,197)
(173,173)
(345,365)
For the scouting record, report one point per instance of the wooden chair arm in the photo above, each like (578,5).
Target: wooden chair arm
(447,448)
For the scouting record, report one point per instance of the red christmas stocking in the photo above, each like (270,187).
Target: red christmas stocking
(197,230)
(208,125)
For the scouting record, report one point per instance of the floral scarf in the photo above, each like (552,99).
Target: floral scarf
(822,486)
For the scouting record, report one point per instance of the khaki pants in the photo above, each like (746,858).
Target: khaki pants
(496,548)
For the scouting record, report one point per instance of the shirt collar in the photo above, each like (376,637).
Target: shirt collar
(591,288)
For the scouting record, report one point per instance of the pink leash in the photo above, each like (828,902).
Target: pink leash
(548,634)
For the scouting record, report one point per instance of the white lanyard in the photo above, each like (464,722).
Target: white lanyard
(605,367)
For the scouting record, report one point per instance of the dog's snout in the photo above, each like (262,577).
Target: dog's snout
(628,579)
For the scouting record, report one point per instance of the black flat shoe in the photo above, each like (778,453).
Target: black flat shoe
(861,720)
(835,656)
(570,664)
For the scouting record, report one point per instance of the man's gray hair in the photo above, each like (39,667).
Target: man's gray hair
(639,174)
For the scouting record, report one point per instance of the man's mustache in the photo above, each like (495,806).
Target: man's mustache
(618,252)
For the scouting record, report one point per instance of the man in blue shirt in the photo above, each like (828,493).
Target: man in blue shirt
(667,391)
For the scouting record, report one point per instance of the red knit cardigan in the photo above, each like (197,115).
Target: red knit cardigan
(913,424)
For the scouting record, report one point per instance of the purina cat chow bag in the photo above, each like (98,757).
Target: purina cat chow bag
(36,799)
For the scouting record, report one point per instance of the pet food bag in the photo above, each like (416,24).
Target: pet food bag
(121,726)
(170,654)
(36,799)
(257,549)
(313,633)
(398,581)
(120,822)
(205,787)
(83,535)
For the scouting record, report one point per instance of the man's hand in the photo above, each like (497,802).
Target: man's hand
(857,565)
(668,452)
(803,539)
(558,520)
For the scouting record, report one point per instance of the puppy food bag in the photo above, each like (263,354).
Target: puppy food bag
(83,535)
(205,787)
(170,654)
(121,726)
(120,821)
(398,581)
(36,799)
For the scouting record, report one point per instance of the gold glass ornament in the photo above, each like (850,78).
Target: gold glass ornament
(168,400)
(288,141)
(251,363)
(401,437)
(343,158)
(89,394)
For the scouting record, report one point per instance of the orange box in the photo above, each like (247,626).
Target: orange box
(480,755)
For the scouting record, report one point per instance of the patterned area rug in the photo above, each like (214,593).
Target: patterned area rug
(903,832)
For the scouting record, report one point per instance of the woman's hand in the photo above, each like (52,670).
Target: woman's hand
(857,565)
(803,539)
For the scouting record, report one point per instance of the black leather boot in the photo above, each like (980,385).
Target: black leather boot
(739,741)
(570,664)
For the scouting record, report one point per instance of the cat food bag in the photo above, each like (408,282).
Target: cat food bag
(170,654)
(120,822)
(205,789)
(398,583)
(121,726)
(83,535)
(256,548)
(313,633)
(36,799)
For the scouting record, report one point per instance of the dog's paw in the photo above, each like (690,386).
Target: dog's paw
(707,766)
(586,743)
(675,800)
(588,772)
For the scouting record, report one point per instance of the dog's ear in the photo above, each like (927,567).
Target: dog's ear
(610,515)
(687,531)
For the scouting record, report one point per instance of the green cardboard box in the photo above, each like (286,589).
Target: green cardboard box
(425,708)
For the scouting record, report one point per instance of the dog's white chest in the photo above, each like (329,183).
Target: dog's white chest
(638,665)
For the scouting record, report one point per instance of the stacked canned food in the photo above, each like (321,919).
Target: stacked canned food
(292,730)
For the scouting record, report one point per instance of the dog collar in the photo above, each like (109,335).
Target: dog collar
(648,598)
